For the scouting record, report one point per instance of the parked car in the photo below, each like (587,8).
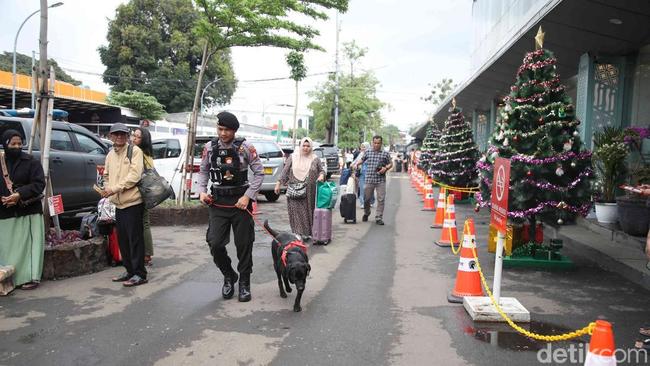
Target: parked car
(329,156)
(170,152)
(74,157)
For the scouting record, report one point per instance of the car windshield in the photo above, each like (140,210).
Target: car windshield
(318,153)
(267,149)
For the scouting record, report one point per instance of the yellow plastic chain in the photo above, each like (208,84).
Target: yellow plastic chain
(458,189)
(548,338)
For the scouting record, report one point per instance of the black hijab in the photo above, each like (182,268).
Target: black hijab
(6,138)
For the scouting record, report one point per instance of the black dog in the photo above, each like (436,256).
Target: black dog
(290,262)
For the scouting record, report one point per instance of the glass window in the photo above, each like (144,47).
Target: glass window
(89,145)
(159,149)
(266,149)
(173,149)
(61,141)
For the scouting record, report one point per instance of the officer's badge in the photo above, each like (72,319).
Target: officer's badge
(228,160)
(228,175)
(223,152)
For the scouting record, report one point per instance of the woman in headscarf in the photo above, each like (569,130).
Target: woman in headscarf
(303,166)
(141,137)
(21,212)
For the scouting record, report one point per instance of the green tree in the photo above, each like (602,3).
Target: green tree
(300,132)
(358,108)
(390,135)
(296,62)
(551,172)
(152,49)
(24,66)
(142,103)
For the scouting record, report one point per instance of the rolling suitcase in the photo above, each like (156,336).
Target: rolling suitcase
(321,231)
(348,208)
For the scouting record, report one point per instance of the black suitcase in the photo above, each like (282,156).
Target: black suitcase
(348,208)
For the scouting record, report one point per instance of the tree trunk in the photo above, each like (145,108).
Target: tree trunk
(191,135)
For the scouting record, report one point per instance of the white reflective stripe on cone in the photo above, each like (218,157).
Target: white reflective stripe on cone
(469,241)
(449,223)
(467,265)
(598,360)
(451,209)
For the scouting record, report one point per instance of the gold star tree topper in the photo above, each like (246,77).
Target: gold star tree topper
(539,39)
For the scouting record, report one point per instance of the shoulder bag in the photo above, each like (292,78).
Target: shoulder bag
(297,190)
(153,188)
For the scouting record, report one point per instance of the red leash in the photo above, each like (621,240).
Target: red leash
(250,213)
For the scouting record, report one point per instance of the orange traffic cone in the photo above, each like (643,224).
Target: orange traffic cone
(255,210)
(468,280)
(439,219)
(449,234)
(601,347)
(429,201)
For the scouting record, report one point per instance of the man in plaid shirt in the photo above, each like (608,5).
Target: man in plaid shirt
(378,162)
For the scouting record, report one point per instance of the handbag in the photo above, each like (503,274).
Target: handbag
(153,188)
(326,194)
(105,211)
(297,190)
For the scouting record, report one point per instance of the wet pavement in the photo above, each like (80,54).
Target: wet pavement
(377,295)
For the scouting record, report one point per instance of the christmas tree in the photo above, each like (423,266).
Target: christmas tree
(550,176)
(454,163)
(429,147)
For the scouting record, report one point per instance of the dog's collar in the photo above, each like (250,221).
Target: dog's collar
(291,245)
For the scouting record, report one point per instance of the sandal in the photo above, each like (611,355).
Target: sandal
(29,286)
(121,278)
(134,281)
(642,344)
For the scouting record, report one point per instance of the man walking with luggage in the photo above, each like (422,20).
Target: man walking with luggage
(223,184)
(122,172)
(378,162)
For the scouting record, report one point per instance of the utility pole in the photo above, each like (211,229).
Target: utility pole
(336,81)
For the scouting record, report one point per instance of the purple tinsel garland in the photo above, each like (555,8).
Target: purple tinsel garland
(582,210)
(560,157)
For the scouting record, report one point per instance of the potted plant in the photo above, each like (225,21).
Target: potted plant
(633,209)
(609,156)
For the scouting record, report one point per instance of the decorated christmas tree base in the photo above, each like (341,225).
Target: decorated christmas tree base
(533,255)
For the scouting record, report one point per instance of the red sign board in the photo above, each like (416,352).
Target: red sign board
(500,189)
(56,205)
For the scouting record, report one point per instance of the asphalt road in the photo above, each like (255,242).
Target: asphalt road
(376,296)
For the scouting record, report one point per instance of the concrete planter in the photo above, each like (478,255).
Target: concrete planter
(606,213)
(179,216)
(74,259)
(634,215)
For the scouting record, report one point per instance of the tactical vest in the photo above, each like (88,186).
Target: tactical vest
(225,165)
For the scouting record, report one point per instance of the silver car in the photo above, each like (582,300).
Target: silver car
(270,154)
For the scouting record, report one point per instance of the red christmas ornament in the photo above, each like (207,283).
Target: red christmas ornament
(477,208)
(529,173)
(516,138)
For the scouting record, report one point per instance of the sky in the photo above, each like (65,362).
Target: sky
(411,44)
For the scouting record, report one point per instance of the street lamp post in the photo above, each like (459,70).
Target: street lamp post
(203,93)
(13,89)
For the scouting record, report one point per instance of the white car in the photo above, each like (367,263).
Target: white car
(169,155)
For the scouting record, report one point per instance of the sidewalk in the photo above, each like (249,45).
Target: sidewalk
(608,247)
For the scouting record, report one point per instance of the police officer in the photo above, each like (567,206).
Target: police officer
(223,181)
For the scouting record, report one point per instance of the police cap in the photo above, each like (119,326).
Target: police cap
(228,120)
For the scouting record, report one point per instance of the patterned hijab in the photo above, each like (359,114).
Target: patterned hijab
(300,161)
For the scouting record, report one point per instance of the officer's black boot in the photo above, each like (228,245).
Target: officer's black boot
(228,289)
(245,287)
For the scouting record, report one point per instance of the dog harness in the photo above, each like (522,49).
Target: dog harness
(291,245)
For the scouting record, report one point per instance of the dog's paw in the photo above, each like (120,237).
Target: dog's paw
(297,308)
(283,294)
